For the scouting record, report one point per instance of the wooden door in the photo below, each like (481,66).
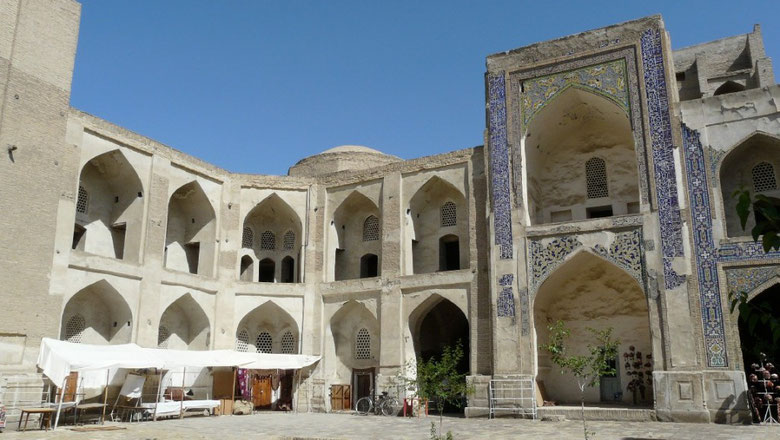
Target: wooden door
(363,381)
(261,391)
(71,386)
(340,397)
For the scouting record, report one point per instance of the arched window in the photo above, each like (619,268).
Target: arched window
(371,228)
(764,177)
(247,238)
(363,344)
(246,268)
(288,269)
(162,337)
(449,214)
(74,329)
(289,240)
(82,201)
(288,343)
(267,241)
(242,340)
(264,342)
(596,178)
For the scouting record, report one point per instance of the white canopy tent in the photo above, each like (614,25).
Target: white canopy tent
(57,359)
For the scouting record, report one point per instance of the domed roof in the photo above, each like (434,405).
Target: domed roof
(341,158)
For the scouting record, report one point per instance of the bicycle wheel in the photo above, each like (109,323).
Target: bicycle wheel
(390,407)
(364,405)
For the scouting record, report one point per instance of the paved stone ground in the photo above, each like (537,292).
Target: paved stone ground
(347,426)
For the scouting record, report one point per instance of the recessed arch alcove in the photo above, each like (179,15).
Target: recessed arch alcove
(587,291)
(109,208)
(272,232)
(268,328)
(97,314)
(190,239)
(436,210)
(575,127)
(184,326)
(355,231)
(753,164)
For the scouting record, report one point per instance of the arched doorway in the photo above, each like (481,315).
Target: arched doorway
(356,339)
(184,326)
(97,314)
(438,323)
(759,339)
(585,292)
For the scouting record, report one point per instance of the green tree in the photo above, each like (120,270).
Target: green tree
(587,369)
(439,381)
(766,211)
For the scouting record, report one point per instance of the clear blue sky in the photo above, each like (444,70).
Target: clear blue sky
(254,86)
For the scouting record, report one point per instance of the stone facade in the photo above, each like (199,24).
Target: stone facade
(601,198)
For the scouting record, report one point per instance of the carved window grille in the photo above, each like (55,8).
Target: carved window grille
(288,343)
(163,334)
(247,238)
(267,241)
(449,214)
(264,342)
(242,340)
(74,328)
(764,177)
(596,178)
(363,344)
(289,240)
(371,229)
(82,201)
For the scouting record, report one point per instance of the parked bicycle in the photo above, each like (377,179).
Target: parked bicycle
(383,403)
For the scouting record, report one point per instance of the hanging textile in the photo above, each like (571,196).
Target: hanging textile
(244,385)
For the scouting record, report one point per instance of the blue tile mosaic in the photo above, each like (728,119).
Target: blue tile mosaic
(506,301)
(747,251)
(543,260)
(748,279)
(704,249)
(626,252)
(499,165)
(662,152)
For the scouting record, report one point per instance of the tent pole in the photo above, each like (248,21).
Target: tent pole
(233,391)
(157,397)
(181,405)
(59,406)
(105,399)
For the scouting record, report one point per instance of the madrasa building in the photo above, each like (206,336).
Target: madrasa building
(601,197)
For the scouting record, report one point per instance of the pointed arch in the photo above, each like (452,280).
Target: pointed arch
(273,323)
(437,206)
(102,314)
(352,319)
(438,323)
(588,291)
(356,215)
(109,208)
(576,125)
(277,225)
(191,233)
(186,323)
(737,169)
(728,87)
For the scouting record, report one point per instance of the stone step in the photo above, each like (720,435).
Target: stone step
(599,413)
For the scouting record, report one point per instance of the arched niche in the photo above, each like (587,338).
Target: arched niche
(345,325)
(190,240)
(737,171)
(575,127)
(268,321)
(246,268)
(728,87)
(272,231)
(437,323)
(109,208)
(759,339)
(97,314)
(355,231)
(588,291)
(184,326)
(436,210)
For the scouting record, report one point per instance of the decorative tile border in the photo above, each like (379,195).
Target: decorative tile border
(663,159)
(499,165)
(745,251)
(625,55)
(747,279)
(704,250)
(543,260)
(626,252)
(606,79)
(506,301)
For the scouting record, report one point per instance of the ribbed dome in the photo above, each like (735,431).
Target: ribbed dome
(341,158)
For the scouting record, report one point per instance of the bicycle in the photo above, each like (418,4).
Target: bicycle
(384,404)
